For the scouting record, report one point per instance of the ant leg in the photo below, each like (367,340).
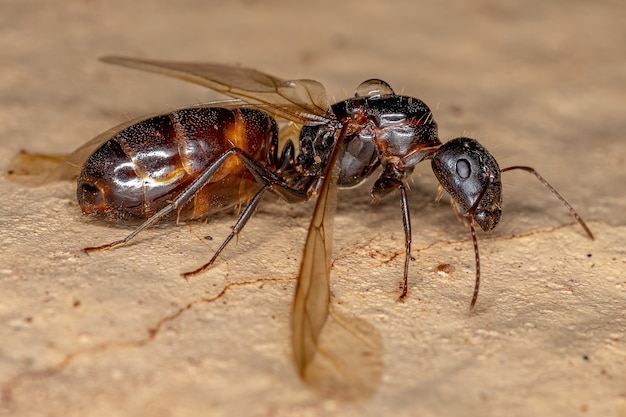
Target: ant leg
(391,179)
(477,257)
(241,222)
(470,216)
(556,193)
(406,220)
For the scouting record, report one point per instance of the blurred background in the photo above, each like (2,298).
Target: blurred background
(538,83)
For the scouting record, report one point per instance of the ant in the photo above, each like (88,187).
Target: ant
(195,161)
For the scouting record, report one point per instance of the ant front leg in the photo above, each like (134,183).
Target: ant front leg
(389,180)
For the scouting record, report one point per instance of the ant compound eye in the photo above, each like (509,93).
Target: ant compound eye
(373,89)
(463,168)
(470,174)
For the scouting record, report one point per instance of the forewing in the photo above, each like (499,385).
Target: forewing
(302,101)
(337,355)
(311,302)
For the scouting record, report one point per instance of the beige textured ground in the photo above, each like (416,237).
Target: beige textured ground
(120,333)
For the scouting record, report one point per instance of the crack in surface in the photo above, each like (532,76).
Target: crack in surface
(152,333)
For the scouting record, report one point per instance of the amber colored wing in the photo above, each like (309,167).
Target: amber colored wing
(312,299)
(302,101)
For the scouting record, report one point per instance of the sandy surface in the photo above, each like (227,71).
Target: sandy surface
(121,333)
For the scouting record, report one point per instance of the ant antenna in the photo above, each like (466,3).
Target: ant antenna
(556,193)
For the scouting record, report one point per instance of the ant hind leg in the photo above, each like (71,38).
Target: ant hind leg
(241,222)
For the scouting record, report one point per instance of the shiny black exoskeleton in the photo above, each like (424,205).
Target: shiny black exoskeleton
(471,175)
(382,130)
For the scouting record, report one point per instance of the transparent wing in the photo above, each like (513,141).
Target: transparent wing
(302,101)
(337,355)
(312,299)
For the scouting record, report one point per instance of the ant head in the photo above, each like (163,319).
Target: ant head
(471,175)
